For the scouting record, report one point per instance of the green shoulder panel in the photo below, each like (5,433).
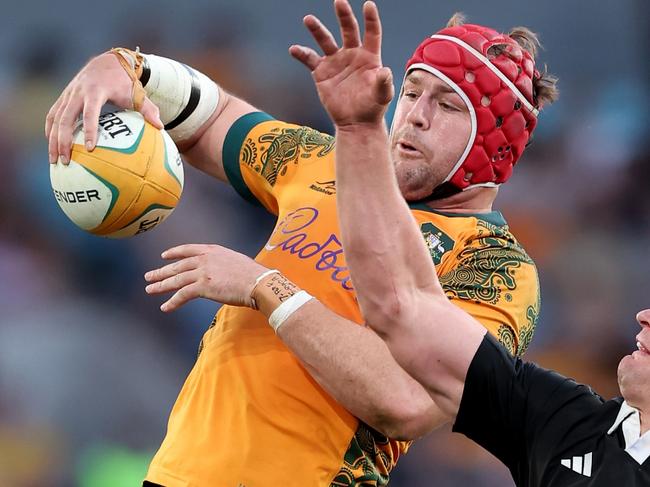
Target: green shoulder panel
(233,145)
(269,153)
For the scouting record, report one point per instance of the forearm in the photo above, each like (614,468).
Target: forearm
(355,366)
(384,249)
(435,342)
(351,362)
(196,112)
(205,150)
(392,271)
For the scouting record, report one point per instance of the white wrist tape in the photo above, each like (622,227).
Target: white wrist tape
(186,97)
(263,275)
(286,309)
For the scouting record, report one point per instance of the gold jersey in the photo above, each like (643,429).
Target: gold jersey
(249,414)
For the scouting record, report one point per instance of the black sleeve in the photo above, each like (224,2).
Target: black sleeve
(517,410)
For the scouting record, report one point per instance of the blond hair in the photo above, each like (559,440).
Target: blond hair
(545,88)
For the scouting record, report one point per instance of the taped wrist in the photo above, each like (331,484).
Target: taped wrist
(185,97)
(132,62)
(278,298)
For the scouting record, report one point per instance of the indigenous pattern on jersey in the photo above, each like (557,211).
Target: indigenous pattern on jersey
(487,273)
(249,414)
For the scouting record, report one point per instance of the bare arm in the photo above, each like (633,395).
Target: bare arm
(396,282)
(355,366)
(349,361)
(205,150)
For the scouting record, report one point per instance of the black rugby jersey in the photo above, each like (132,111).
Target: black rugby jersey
(547,429)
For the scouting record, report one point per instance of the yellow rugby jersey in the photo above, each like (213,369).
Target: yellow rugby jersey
(249,414)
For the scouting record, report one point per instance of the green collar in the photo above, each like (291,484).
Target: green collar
(493,217)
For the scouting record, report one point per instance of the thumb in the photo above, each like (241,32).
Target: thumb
(151,113)
(384,86)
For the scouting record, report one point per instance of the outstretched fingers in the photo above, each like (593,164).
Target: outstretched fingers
(385,88)
(182,296)
(186,250)
(372,25)
(173,282)
(321,35)
(170,270)
(305,55)
(348,23)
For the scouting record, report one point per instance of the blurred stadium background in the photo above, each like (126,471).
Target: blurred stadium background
(89,368)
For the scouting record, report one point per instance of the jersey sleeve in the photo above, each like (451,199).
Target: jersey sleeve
(496,282)
(518,411)
(262,156)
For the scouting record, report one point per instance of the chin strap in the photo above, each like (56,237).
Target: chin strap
(442,191)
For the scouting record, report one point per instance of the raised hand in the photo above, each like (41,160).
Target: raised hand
(353,85)
(102,80)
(204,271)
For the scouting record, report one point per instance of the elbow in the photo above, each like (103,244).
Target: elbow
(406,422)
(403,313)
(388,315)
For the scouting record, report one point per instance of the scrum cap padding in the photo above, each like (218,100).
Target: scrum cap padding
(493,75)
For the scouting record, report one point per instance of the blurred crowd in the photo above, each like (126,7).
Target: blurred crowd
(89,366)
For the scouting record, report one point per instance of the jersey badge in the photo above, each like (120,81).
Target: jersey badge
(438,242)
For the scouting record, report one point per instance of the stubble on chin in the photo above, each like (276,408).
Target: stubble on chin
(416,180)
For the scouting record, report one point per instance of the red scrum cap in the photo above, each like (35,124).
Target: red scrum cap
(493,75)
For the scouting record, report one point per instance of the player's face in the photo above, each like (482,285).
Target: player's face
(430,131)
(634,369)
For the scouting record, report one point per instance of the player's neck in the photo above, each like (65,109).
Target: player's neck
(474,200)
